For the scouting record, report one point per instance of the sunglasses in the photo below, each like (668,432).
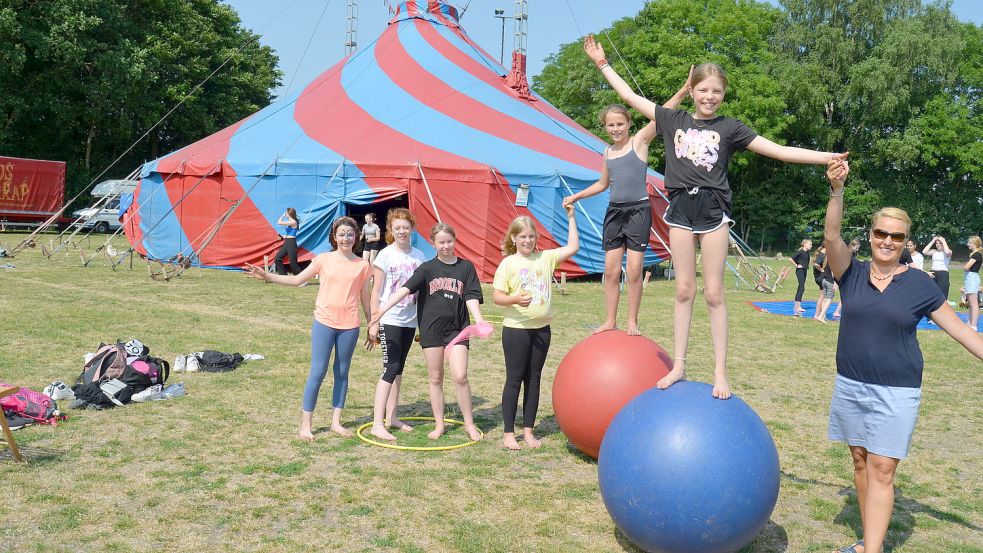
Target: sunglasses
(896,237)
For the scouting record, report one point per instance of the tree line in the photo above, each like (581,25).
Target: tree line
(895,82)
(81,80)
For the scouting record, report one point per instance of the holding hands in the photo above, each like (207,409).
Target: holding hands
(836,171)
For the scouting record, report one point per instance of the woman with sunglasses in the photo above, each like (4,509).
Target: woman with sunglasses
(877,390)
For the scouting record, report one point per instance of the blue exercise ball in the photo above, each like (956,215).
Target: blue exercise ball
(683,472)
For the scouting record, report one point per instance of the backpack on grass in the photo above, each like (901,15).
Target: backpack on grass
(33,405)
(108,362)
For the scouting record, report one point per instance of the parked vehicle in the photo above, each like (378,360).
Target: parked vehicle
(31,191)
(103,215)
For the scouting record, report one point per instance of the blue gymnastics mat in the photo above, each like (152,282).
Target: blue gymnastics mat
(785,308)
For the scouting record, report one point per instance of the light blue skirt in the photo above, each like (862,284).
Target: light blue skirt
(971,282)
(879,418)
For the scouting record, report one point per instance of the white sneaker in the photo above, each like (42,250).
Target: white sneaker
(58,390)
(192,365)
(173,391)
(150,394)
(179,363)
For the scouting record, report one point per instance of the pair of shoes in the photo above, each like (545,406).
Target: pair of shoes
(58,390)
(150,394)
(192,365)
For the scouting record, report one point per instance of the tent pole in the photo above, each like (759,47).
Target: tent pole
(430,194)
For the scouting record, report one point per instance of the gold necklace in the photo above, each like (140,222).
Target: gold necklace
(884,277)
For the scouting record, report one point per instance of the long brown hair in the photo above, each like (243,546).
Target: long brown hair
(342,222)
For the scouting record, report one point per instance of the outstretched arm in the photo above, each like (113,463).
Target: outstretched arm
(650,131)
(948,321)
(286,280)
(837,252)
(791,154)
(596,53)
(573,237)
(397,297)
(600,186)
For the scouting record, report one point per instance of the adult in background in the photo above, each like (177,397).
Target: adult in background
(800,259)
(971,279)
(877,390)
(371,238)
(288,250)
(827,287)
(941,255)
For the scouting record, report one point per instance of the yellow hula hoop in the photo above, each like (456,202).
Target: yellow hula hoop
(390,445)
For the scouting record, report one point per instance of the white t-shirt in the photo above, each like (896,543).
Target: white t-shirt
(918,261)
(398,266)
(940,261)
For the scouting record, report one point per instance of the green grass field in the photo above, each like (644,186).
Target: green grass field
(220,469)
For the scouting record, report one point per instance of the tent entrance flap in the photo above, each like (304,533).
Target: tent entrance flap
(379,209)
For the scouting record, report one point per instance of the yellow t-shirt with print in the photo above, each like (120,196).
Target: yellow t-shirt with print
(534,274)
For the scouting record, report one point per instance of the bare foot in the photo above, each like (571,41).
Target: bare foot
(341,430)
(674,376)
(436,433)
(606,327)
(530,439)
(721,390)
(306,435)
(379,431)
(473,432)
(633,330)
(401,426)
(508,441)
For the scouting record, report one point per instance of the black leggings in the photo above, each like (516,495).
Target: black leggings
(525,355)
(942,280)
(395,342)
(800,275)
(288,250)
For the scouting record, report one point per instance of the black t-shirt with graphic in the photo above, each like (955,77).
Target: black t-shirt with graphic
(442,290)
(698,150)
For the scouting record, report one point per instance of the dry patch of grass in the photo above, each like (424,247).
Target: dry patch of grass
(220,469)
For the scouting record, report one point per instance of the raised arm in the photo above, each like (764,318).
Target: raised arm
(600,186)
(649,132)
(790,154)
(944,246)
(285,280)
(948,321)
(837,252)
(596,53)
(564,253)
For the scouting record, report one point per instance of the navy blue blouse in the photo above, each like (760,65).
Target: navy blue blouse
(877,342)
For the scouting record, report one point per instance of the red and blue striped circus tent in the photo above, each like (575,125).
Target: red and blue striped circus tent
(421,117)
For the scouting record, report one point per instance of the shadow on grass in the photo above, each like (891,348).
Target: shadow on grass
(772,539)
(31,454)
(902,520)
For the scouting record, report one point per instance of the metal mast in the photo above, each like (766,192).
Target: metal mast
(351,31)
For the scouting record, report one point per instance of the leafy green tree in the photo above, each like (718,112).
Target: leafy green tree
(81,80)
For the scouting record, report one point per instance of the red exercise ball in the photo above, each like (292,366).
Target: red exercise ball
(598,377)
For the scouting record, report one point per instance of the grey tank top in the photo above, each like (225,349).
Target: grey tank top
(626,175)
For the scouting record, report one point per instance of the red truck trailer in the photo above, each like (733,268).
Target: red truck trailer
(31,191)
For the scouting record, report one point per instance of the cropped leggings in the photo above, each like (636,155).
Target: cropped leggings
(525,355)
(323,340)
(800,275)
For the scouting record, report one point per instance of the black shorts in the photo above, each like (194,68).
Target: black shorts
(705,211)
(627,225)
(395,342)
(440,339)
(373,246)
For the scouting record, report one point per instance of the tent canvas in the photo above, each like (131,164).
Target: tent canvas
(422,114)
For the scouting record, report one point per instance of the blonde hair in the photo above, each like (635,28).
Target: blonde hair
(805,241)
(441,227)
(704,71)
(519,224)
(975,243)
(893,213)
(398,213)
(614,108)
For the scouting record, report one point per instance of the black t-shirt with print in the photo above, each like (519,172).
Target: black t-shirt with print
(442,290)
(698,150)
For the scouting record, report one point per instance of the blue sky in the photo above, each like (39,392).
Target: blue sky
(288,26)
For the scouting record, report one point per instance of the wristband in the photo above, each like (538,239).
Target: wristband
(834,195)
(602,63)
